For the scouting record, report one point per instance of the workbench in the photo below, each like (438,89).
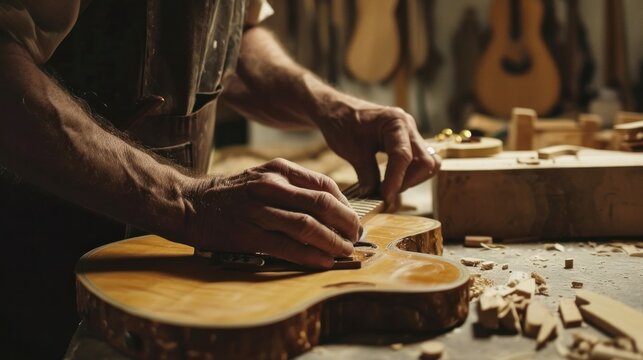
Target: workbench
(614,274)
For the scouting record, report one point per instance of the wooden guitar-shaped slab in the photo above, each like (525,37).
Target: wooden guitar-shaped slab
(152,298)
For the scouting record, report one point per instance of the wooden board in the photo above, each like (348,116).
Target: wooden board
(597,193)
(150,297)
(611,316)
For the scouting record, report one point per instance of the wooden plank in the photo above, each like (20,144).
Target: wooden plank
(527,288)
(537,313)
(569,313)
(477,240)
(547,330)
(611,316)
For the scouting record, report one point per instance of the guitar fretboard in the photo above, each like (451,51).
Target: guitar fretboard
(363,206)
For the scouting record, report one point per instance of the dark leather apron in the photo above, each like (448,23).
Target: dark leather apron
(152,69)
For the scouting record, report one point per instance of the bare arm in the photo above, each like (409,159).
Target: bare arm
(48,138)
(271,88)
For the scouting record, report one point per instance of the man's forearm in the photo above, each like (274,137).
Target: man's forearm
(271,88)
(47,138)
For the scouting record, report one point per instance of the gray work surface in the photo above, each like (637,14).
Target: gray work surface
(614,274)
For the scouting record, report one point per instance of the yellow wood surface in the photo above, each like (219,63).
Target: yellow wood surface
(159,280)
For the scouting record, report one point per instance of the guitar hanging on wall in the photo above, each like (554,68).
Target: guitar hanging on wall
(516,69)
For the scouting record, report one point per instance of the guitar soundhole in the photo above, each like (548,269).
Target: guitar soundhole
(365,244)
(348,284)
(517,66)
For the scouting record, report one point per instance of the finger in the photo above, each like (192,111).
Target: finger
(320,204)
(305,178)
(398,147)
(423,166)
(302,228)
(280,245)
(368,173)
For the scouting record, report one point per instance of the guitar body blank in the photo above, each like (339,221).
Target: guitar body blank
(151,298)
(374,48)
(517,72)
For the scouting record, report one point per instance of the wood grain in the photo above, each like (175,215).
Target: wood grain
(597,193)
(177,305)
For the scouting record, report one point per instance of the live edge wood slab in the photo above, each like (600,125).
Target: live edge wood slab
(151,298)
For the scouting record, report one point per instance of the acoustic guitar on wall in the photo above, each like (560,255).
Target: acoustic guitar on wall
(516,69)
(151,298)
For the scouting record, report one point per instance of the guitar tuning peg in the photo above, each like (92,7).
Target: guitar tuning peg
(465,134)
(447,132)
(457,138)
(440,137)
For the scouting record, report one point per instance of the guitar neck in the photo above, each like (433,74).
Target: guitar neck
(363,206)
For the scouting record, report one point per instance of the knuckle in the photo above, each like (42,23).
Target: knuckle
(402,154)
(305,226)
(323,201)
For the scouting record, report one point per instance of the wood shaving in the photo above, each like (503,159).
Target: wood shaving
(487,265)
(492,246)
(469,261)
(478,286)
(504,266)
(540,280)
(556,246)
(577,285)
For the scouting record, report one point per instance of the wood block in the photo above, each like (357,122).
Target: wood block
(605,352)
(509,319)
(477,240)
(537,313)
(488,307)
(527,288)
(569,263)
(569,313)
(611,316)
(431,350)
(547,330)
(467,192)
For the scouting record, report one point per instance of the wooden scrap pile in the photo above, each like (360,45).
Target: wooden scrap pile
(512,308)
(631,249)
(587,346)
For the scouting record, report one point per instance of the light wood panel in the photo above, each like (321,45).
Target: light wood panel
(172,303)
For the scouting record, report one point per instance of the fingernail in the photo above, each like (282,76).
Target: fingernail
(360,234)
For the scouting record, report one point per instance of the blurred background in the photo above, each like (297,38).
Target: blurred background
(448,61)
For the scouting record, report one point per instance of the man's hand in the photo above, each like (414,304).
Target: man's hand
(278,208)
(357,130)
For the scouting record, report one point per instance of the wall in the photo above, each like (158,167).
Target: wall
(448,16)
